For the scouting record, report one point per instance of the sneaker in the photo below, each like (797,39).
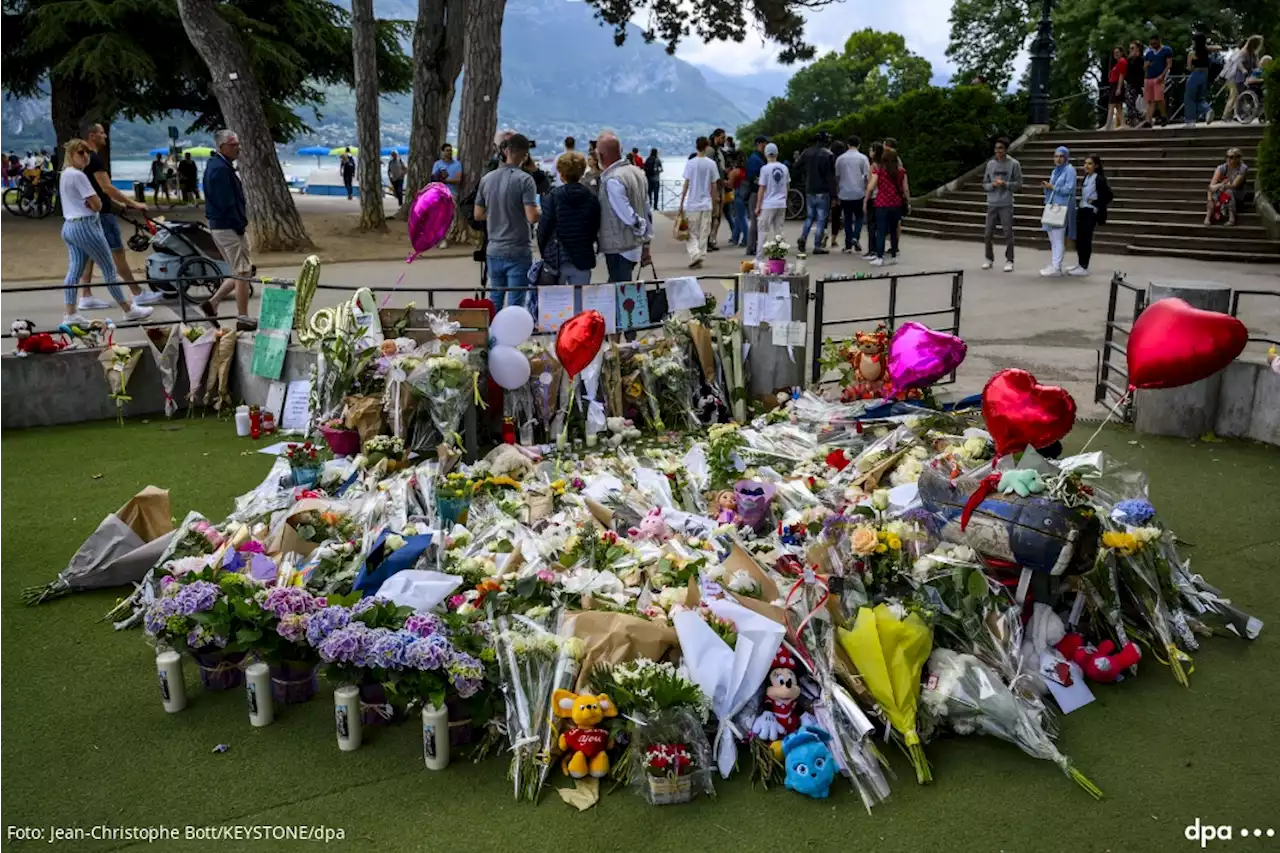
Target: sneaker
(986,265)
(713,248)
(821,251)
(695,265)
(846,250)
(857,246)
(877,262)
(245,324)
(137,312)
(1078,271)
(800,245)
(75,320)
(148,297)
(92,303)
(869,256)
(1208,116)
(890,261)
(1050,272)
(1008,266)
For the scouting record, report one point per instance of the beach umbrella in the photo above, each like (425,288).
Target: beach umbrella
(199,151)
(314,150)
(154,151)
(399,149)
(343,149)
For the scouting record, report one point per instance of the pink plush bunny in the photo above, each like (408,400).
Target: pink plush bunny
(651,527)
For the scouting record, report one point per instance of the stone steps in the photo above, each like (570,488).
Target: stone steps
(1120,209)
(1118,221)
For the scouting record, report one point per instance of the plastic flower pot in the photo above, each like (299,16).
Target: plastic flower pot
(461,730)
(452,510)
(219,669)
(293,682)
(306,475)
(343,442)
(375,709)
(754,500)
(775,266)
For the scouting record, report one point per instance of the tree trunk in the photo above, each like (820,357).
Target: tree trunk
(70,103)
(482,58)
(438,39)
(365,47)
(274,223)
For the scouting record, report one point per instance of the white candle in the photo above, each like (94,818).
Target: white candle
(242,421)
(346,712)
(173,690)
(435,737)
(257,689)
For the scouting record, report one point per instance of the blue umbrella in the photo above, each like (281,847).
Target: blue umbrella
(154,151)
(314,150)
(399,149)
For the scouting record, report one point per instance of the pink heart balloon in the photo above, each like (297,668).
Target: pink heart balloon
(430,218)
(919,356)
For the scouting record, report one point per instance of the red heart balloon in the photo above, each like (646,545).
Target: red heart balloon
(578,341)
(1174,344)
(1021,412)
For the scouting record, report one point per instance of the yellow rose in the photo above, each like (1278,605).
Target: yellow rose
(864,540)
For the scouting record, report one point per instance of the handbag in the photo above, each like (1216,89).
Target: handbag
(1054,216)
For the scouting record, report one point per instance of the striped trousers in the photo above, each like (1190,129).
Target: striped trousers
(86,242)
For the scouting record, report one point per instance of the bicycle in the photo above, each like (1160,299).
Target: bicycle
(33,199)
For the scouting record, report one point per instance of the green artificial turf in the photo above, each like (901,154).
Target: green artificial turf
(85,740)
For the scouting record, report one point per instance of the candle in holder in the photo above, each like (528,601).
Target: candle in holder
(257,688)
(346,713)
(435,737)
(173,690)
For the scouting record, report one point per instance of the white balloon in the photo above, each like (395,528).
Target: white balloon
(511,326)
(508,367)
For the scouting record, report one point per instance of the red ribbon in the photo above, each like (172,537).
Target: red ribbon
(985,487)
(798,633)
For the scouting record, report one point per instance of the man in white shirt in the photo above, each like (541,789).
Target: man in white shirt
(771,200)
(700,176)
(852,171)
(626,224)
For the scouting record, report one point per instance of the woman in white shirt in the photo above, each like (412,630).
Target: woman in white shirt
(82,232)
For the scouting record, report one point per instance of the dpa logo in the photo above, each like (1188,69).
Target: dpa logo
(1204,833)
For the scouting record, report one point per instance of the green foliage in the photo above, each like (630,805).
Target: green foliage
(872,68)
(1269,148)
(940,132)
(986,35)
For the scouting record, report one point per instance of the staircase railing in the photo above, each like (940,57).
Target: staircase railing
(1106,391)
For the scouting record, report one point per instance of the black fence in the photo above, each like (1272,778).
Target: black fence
(1235,311)
(891,317)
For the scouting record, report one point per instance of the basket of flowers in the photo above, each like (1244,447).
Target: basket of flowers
(342,441)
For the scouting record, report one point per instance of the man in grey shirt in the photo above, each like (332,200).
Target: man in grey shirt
(507,202)
(1002,178)
(852,171)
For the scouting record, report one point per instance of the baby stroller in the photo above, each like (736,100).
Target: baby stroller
(184,262)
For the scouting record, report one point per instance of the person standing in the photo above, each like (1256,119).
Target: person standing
(771,198)
(700,177)
(1115,90)
(1134,76)
(569,224)
(569,145)
(1095,195)
(1157,62)
(716,155)
(737,213)
(347,166)
(159,180)
(890,191)
(447,170)
(1239,67)
(853,169)
(591,178)
(755,162)
(395,174)
(653,175)
(836,219)
(507,201)
(83,236)
(225,209)
(626,224)
(1195,100)
(819,170)
(1060,189)
(113,201)
(635,159)
(1001,179)
(188,179)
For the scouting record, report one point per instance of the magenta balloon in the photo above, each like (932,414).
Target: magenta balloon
(430,218)
(919,356)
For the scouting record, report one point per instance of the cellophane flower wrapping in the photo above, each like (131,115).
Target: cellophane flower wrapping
(670,757)
(970,697)
(447,381)
(165,348)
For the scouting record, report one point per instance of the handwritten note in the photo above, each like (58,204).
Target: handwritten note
(633,305)
(790,333)
(753,308)
(728,305)
(297,406)
(684,292)
(602,298)
(555,306)
(777,308)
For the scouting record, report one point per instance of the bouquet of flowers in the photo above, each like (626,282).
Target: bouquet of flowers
(119,362)
(776,248)
(332,568)
(197,345)
(448,382)
(326,525)
(165,348)
(422,664)
(669,390)
(386,448)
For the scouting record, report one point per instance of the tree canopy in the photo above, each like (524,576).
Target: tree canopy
(671,21)
(873,67)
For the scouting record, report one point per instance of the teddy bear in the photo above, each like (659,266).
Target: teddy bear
(651,527)
(586,743)
(29,340)
(1104,663)
(506,459)
(868,360)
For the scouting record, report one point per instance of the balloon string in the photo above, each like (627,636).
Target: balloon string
(394,288)
(1110,415)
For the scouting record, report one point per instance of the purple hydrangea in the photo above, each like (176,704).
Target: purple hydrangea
(292,627)
(1135,511)
(286,600)
(346,645)
(201,637)
(428,653)
(196,597)
(390,652)
(157,618)
(466,674)
(424,625)
(324,622)
(364,605)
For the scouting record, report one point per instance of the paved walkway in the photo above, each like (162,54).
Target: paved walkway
(1052,327)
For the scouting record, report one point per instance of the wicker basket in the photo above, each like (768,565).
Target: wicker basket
(670,790)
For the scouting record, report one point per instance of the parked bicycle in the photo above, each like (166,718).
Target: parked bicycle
(34,197)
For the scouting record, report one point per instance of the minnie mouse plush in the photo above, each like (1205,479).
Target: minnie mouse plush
(30,341)
(781,714)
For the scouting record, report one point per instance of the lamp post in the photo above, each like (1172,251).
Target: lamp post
(1041,52)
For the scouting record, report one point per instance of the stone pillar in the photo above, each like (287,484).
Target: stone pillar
(1191,410)
(771,368)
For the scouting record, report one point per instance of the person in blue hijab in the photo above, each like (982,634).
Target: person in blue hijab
(1060,189)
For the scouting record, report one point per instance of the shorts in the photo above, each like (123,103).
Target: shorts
(111,229)
(235,250)
(1153,89)
(1115,94)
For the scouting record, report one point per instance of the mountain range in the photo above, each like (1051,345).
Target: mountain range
(562,76)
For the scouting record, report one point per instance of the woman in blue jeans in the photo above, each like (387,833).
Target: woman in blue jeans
(890,190)
(569,224)
(1195,101)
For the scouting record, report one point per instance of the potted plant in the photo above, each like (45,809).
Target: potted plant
(775,252)
(356,644)
(341,440)
(453,498)
(281,615)
(385,447)
(307,461)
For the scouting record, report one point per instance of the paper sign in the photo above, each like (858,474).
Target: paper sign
(602,298)
(777,307)
(1066,682)
(275,399)
(684,292)
(753,308)
(297,406)
(728,305)
(633,305)
(789,334)
(280,448)
(271,342)
(555,306)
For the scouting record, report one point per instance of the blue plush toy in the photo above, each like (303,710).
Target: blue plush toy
(810,765)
